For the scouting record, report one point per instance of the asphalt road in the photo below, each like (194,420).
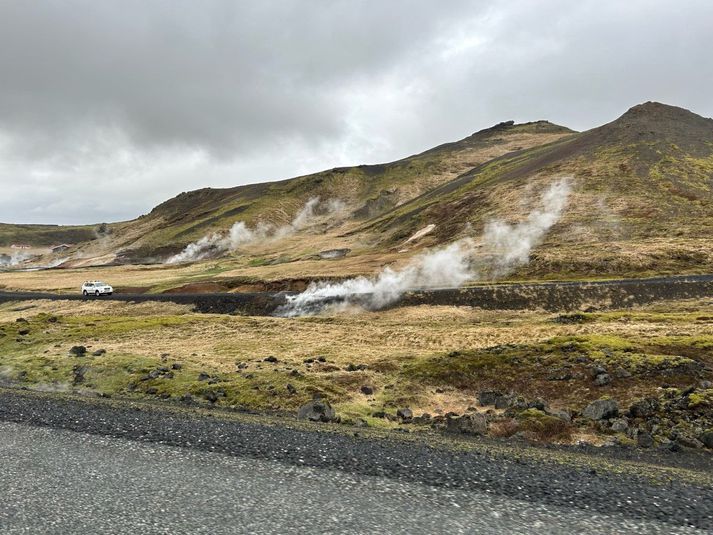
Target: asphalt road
(57,481)
(554,296)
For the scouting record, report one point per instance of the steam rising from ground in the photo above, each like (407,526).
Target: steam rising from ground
(13,259)
(240,234)
(502,248)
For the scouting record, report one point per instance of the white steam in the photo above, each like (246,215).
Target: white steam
(14,259)
(240,234)
(502,248)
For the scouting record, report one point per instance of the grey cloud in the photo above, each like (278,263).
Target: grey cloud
(145,99)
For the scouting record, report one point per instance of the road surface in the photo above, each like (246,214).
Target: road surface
(554,296)
(57,481)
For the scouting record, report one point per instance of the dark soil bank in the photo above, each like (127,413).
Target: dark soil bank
(553,296)
(515,474)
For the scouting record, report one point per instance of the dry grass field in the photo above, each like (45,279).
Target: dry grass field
(430,359)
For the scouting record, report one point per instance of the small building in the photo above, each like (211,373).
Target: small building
(60,248)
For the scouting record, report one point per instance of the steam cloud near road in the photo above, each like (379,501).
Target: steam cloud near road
(502,248)
(240,234)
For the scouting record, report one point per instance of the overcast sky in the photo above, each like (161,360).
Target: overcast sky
(110,107)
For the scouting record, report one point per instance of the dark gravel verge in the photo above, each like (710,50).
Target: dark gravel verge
(669,500)
(553,296)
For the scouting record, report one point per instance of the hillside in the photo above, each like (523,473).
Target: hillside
(642,201)
(641,204)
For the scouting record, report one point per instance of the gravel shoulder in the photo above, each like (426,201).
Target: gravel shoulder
(676,489)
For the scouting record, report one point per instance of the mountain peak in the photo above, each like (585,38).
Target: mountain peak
(658,111)
(657,123)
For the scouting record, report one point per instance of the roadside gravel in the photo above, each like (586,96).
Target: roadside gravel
(672,500)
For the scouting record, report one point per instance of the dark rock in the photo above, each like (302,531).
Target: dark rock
(644,408)
(317,411)
(168,375)
(707,439)
(705,385)
(322,359)
(21,320)
(270,359)
(602,379)
(405,415)
(291,389)
(176,366)
(538,404)
(503,402)
(152,390)
(367,390)
(644,439)
(488,397)
(356,367)
(425,418)
(52,319)
(23,332)
(619,425)
(203,376)
(690,442)
(308,361)
(601,409)
(210,396)
(472,424)
(162,369)
(99,352)
(186,398)
(562,414)
(154,374)
(621,373)
(295,373)
(78,372)
(598,370)
(673,446)
(78,351)
(378,414)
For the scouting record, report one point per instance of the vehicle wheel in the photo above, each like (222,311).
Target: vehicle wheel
(110,293)
(96,293)
(84,293)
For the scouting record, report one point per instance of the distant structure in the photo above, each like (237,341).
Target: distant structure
(20,246)
(60,248)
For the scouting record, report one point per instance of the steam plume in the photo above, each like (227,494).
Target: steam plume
(13,259)
(502,248)
(240,234)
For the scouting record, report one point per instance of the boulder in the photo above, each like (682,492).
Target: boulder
(562,414)
(78,351)
(644,408)
(644,439)
(317,410)
(367,390)
(503,402)
(619,425)
(99,352)
(471,424)
(488,397)
(78,373)
(404,415)
(601,409)
(602,379)
(707,439)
